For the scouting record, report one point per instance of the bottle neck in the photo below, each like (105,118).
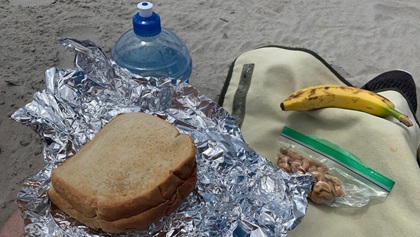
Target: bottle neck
(146,26)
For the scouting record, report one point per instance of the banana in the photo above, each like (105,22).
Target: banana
(344,97)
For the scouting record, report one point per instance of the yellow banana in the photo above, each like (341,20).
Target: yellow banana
(344,97)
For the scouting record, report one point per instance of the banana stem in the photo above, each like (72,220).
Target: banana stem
(401,117)
(405,120)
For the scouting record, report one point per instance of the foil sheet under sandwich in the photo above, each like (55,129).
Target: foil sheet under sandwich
(238,192)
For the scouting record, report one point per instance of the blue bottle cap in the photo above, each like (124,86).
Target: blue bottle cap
(146,23)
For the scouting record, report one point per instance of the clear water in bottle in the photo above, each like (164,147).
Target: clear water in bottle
(150,50)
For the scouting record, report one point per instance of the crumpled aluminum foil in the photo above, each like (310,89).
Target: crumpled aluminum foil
(238,192)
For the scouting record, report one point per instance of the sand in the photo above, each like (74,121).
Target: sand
(359,38)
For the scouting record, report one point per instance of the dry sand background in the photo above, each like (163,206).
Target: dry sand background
(359,38)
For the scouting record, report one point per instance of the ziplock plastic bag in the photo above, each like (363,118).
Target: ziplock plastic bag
(340,178)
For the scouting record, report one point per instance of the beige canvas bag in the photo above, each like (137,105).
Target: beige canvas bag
(384,145)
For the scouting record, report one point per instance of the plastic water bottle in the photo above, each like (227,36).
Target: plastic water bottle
(150,50)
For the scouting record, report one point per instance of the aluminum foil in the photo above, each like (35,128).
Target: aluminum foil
(238,193)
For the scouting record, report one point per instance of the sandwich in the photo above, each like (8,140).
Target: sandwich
(136,170)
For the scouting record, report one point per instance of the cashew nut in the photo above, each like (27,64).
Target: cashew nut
(285,167)
(336,184)
(323,190)
(283,150)
(321,186)
(319,176)
(297,167)
(305,164)
(315,198)
(294,155)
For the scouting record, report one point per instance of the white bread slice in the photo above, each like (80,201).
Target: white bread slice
(136,222)
(137,169)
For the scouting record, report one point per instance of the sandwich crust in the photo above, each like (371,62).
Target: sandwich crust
(137,169)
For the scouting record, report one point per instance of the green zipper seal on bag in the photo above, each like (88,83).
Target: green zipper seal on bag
(340,156)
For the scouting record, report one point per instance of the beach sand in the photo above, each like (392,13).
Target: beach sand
(360,39)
